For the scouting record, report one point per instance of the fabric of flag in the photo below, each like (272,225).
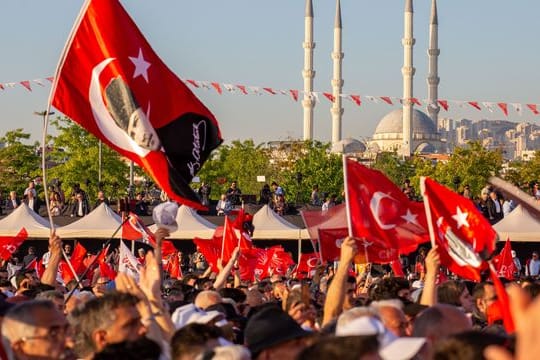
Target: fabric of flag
(381,215)
(463,235)
(443,104)
(397,269)
(230,240)
(134,229)
(211,250)
(333,218)
(330,241)
(113,84)
(504,263)
(173,266)
(10,244)
(307,265)
(128,263)
(533,108)
(503,301)
(475,105)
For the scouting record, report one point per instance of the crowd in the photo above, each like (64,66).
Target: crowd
(337,311)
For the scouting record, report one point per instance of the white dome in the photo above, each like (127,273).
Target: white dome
(392,123)
(348,146)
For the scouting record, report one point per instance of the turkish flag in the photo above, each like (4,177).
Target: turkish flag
(77,259)
(381,215)
(279,261)
(10,244)
(230,240)
(330,242)
(105,269)
(253,264)
(464,236)
(504,264)
(173,266)
(307,265)
(134,229)
(333,218)
(36,265)
(112,83)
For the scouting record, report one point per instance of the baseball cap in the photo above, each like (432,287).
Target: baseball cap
(189,314)
(391,346)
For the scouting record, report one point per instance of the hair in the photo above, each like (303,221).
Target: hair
(479,290)
(19,321)
(231,352)
(192,338)
(343,348)
(232,293)
(428,320)
(50,295)
(207,298)
(96,313)
(140,349)
(533,290)
(355,313)
(387,289)
(450,292)
(467,345)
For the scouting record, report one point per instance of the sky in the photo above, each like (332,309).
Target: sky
(489,52)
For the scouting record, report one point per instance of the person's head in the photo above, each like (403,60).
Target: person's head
(68,248)
(32,184)
(55,296)
(142,348)
(223,197)
(273,334)
(100,286)
(139,196)
(535,255)
(207,298)
(109,319)
(79,196)
(13,195)
(469,345)
(233,184)
(101,195)
(392,316)
(455,293)
(315,187)
(387,289)
(484,295)
(343,348)
(35,330)
(194,339)
(141,252)
(493,195)
(31,250)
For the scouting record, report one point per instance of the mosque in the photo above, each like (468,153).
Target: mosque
(406,130)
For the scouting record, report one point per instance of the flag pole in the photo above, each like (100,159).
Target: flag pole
(427,208)
(347,202)
(223,238)
(299,245)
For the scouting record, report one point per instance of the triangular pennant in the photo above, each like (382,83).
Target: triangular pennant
(488,105)
(294,94)
(26,84)
(242,89)
(229,87)
(504,108)
(533,108)
(39,82)
(517,108)
(50,78)
(416,101)
(387,100)
(192,83)
(443,104)
(475,105)
(217,87)
(329,97)
(269,90)
(356,99)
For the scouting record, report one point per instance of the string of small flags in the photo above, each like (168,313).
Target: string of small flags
(220,88)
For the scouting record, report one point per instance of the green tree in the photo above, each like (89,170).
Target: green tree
(75,153)
(472,164)
(19,162)
(522,172)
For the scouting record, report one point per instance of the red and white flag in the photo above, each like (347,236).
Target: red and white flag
(307,265)
(211,250)
(381,215)
(504,263)
(330,241)
(463,235)
(128,263)
(10,244)
(113,84)
(134,229)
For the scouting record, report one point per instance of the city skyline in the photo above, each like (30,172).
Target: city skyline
(260,44)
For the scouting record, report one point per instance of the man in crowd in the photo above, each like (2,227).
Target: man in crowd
(532,266)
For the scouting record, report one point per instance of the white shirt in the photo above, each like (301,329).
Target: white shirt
(533,268)
(79,209)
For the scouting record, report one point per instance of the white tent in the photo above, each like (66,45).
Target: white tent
(519,225)
(190,225)
(36,225)
(102,222)
(269,225)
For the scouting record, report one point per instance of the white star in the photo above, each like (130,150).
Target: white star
(141,66)
(410,218)
(461,218)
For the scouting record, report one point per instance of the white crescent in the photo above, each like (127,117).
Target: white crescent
(103,118)
(374,207)
(312,262)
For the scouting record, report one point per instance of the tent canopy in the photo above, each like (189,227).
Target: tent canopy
(519,226)
(24,217)
(190,225)
(269,225)
(102,222)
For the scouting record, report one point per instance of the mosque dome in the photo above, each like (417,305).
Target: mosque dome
(348,146)
(391,125)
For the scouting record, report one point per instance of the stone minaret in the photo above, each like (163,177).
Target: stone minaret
(337,81)
(408,72)
(433,55)
(308,73)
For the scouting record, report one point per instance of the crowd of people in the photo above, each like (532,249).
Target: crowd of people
(337,311)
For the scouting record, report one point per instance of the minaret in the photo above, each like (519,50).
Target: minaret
(337,81)
(308,73)
(433,74)
(408,72)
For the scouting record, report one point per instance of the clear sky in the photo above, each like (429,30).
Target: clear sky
(489,52)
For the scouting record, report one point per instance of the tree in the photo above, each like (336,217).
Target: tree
(75,153)
(19,162)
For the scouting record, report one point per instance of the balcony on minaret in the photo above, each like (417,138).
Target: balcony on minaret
(433,80)
(337,82)
(308,45)
(308,73)
(338,55)
(408,41)
(408,70)
(434,52)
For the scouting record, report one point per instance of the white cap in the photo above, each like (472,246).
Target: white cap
(391,347)
(164,215)
(417,284)
(189,314)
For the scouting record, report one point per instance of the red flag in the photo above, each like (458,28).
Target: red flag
(416,101)
(211,249)
(443,104)
(464,236)
(105,269)
(269,90)
(77,258)
(533,108)
(475,105)
(193,83)
(134,229)
(504,108)
(113,84)
(397,269)
(173,266)
(356,99)
(10,244)
(306,265)
(230,240)
(387,100)
(26,84)
(330,242)
(503,300)
(36,265)
(381,215)
(242,89)
(294,94)
(279,261)
(329,97)
(333,218)
(253,264)
(504,264)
